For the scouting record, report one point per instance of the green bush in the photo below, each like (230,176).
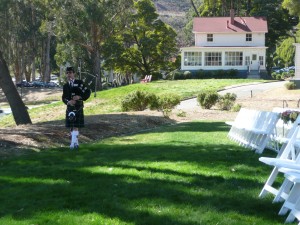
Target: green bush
(292,73)
(236,108)
(226,101)
(278,77)
(285,75)
(178,75)
(137,101)
(156,75)
(165,103)
(290,85)
(232,73)
(199,74)
(274,75)
(207,99)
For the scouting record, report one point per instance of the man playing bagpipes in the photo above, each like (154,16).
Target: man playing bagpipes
(74,93)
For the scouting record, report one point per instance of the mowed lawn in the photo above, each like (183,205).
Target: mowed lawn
(184,174)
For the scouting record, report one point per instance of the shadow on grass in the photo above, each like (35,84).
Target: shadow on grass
(133,182)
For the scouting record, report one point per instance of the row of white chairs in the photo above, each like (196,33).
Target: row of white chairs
(287,163)
(285,138)
(253,128)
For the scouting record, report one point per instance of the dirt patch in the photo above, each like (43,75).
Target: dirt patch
(23,139)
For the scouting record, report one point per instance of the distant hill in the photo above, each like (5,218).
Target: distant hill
(172,7)
(175,13)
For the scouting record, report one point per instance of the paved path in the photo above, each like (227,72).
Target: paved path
(241,91)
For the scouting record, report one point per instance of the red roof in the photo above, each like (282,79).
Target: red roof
(223,25)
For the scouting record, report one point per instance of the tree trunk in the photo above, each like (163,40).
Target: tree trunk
(196,11)
(17,106)
(47,57)
(97,69)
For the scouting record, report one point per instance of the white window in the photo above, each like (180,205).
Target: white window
(261,60)
(210,37)
(192,58)
(233,58)
(213,58)
(248,37)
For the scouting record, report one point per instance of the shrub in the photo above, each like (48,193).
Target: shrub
(199,74)
(278,77)
(181,113)
(156,75)
(218,74)
(274,75)
(290,85)
(236,108)
(226,101)
(232,73)
(285,75)
(207,98)
(165,103)
(178,75)
(137,101)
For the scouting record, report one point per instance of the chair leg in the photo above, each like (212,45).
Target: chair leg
(284,191)
(268,185)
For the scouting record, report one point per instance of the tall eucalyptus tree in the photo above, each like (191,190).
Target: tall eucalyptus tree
(85,25)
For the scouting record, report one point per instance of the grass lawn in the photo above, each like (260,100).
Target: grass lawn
(109,101)
(183,174)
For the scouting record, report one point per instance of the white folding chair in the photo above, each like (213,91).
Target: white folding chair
(288,157)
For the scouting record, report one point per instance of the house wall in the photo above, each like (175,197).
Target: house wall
(219,39)
(297,62)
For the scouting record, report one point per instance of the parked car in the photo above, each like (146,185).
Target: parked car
(51,84)
(24,84)
(38,84)
(286,69)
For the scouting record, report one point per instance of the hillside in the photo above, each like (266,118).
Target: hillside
(172,7)
(176,13)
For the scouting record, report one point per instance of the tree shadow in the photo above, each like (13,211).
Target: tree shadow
(132,181)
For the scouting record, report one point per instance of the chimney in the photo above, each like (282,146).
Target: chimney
(232,16)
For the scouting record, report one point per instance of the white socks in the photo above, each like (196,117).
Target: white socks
(74,139)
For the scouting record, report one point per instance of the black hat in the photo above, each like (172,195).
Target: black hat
(70,68)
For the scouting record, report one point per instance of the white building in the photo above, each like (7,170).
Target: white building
(227,43)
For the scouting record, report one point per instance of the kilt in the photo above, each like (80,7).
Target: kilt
(78,120)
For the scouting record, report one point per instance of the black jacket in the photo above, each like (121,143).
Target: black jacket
(78,89)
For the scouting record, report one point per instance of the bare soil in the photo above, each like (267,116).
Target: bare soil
(25,139)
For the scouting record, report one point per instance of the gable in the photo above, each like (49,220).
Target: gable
(224,25)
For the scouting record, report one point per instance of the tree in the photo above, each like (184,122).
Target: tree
(286,51)
(18,108)
(146,44)
(195,9)
(293,6)
(20,36)
(88,26)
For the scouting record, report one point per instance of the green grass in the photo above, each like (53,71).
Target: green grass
(109,101)
(183,174)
